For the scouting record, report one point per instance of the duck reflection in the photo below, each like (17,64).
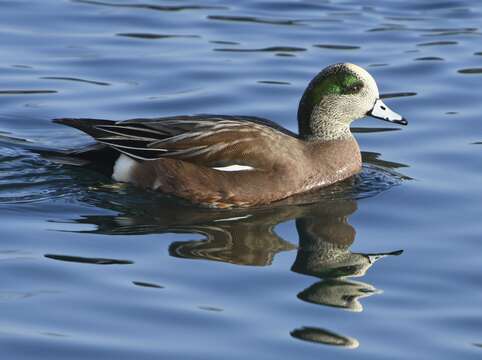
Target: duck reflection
(325,238)
(338,293)
(323,336)
(240,240)
(247,237)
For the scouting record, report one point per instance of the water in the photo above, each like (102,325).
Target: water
(90,269)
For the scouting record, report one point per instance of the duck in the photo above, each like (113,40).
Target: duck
(226,161)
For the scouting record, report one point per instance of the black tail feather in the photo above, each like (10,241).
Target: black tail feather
(98,157)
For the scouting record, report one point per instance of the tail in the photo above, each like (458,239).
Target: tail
(98,157)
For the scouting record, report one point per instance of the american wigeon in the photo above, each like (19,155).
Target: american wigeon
(227,161)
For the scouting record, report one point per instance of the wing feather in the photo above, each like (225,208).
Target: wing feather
(208,140)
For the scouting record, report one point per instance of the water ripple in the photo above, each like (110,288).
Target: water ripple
(27,92)
(429,58)
(470,71)
(273,82)
(438,43)
(337,47)
(151,36)
(252,19)
(147,284)
(88,260)
(151,6)
(266,49)
(100,83)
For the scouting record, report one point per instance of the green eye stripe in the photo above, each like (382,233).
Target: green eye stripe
(338,84)
(350,80)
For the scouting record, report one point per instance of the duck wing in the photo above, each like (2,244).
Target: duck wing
(209,140)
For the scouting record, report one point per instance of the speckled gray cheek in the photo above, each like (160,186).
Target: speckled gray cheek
(327,128)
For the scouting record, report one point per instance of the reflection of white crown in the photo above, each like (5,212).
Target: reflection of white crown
(339,293)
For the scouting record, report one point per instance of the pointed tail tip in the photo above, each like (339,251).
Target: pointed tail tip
(89,121)
(64,121)
(57,120)
(86,125)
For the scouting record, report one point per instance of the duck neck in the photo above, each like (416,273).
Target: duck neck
(321,126)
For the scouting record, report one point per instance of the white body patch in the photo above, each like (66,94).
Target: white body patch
(234,168)
(157,184)
(123,168)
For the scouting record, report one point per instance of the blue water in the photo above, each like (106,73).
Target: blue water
(93,269)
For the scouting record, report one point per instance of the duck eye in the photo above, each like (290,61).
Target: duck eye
(353,89)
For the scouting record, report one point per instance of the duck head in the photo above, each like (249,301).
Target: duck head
(338,95)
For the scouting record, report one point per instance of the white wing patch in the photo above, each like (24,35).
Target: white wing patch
(233,218)
(123,168)
(234,168)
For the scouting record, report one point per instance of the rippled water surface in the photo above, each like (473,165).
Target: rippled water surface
(383,265)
